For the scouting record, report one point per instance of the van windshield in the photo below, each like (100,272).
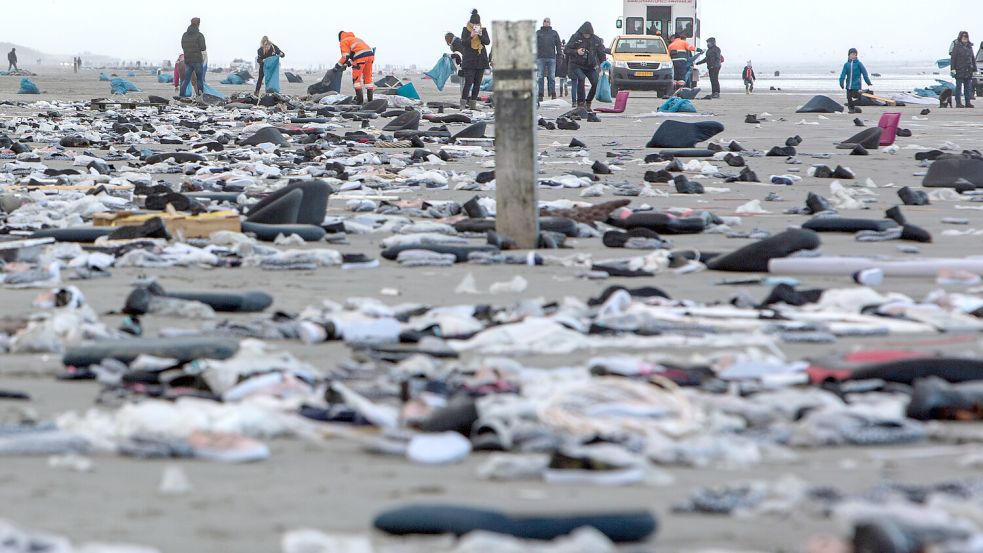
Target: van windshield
(640,46)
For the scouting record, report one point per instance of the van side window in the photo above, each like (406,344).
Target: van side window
(635,26)
(684,26)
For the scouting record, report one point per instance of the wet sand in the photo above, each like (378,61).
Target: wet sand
(334,487)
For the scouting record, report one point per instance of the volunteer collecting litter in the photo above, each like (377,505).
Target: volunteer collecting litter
(356,53)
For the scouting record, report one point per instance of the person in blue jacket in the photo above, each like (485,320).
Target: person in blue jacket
(850,77)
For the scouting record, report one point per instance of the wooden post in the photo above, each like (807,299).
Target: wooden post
(517,192)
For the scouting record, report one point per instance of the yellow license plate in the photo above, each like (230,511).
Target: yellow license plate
(645,74)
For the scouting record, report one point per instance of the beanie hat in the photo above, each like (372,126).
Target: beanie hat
(852,51)
(475,18)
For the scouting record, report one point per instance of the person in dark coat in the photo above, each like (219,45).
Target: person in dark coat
(12,59)
(963,68)
(195,55)
(548,48)
(457,49)
(562,68)
(585,53)
(714,59)
(475,41)
(266,50)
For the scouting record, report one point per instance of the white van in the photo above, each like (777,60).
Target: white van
(662,17)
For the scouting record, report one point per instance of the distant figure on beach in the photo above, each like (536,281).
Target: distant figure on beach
(476,59)
(265,51)
(195,56)
(12,59)
(548,48)
(963,68)
(356,53)
(457,49)
(562,68)
(749,77)
(585,53)
(180,68)
(714,60)
(679,52)
(850,78)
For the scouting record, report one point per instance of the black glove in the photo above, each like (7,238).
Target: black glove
(340,68)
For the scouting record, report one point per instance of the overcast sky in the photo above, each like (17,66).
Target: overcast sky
(410,31)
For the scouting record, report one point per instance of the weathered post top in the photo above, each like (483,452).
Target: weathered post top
(516,193)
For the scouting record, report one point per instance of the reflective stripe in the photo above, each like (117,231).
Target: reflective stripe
(362,54)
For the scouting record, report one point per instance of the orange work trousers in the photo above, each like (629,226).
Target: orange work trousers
(362,73)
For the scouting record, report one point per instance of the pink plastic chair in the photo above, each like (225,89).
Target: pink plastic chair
(889,124)
(620,103)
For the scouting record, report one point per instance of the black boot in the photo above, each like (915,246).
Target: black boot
(359,97)
(369,93)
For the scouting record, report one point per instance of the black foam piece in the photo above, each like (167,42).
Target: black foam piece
(868,138)
(407,121)
(268,233)
(907,371)
(754,258)
(278,209)
(562,225)
(660,223)
(177,157)
(74,234)
(821,104)
(948,172)
(228,302)
(460,252)
(686,153)
(270,135)
(623,527)
(378,105)
(677,134)
(303,202)
(845,224)
(476,130)
(183,349)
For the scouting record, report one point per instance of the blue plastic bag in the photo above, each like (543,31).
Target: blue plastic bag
(487,84)
(103,77)
(271,74)
(165,78)
(604,84)
(232,78)
(211,91)
(677,105)
(122,86)
(442,71)
(131,74)
(408,90)
(28,87)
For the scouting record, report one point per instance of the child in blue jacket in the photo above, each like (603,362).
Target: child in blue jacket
(850,77)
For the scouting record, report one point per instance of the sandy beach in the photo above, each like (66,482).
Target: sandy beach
(333,486)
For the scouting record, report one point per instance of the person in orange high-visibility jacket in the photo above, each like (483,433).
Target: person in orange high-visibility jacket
(679,52)
(360,56)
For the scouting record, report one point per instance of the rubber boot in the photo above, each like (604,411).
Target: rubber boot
(589,106)
(369,93)
(473,104)
(464,103)
(359,97)
(552,96)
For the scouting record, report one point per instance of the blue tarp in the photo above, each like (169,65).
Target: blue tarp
(165,78)
(103,77)
(271,74)
(122,86)
(442,71)
(943,63)
(408,90)
(677,105)
(188,89)
(604,84)
(232,78)
(28,87)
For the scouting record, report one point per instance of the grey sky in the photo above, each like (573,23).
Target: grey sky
(407,31)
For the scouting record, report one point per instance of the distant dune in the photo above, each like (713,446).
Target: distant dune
(29,56)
